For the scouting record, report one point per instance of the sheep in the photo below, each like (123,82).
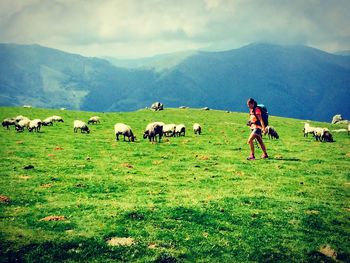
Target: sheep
(24,123)
(169,130)
(271,132)
(57,118)
(8,122)
(152,130)
(308,129)
(34,125)
(318,133)
(94,119)
(180,130)
(348,128)
(80,125)
(123,129)
(47,122)
(327,136)
(197,128)
(19,118)
(157,106)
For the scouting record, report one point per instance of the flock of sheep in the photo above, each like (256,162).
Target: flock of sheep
(153,130)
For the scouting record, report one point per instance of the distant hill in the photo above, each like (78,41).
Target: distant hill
(292,81)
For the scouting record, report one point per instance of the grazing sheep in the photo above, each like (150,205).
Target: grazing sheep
(152,130)
(80,125)
(271,132)
(94,120)
(125,130)
(20,117)
(47,122)
(157,106)
(57,118)
(34,125)
(24,123)
(8,122)
(318,133)
(180,130)
(169,130)
(308,129)
(327,136)
(197,128)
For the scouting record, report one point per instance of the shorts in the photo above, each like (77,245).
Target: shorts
(256,131)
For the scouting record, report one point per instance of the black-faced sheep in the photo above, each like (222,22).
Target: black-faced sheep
(8,122)
(80,125)
(125,130)
(327,136)
(180,130)
(24,123)
(47,122)
(157,106)
(34,125)
(57,118)
(152,130)
(271,132)
(169,130)
(197,129)
(94,120)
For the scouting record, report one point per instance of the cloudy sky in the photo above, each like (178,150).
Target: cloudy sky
(141,28)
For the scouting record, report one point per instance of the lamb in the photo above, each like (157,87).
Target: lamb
(8,122)
(318,133)
(34,125)
(197,128)
(123,129)
(80,125)
(271,132)
(152,130)
(94,119)
(169,129)
(180,130)
(57,118)
(308,129)
(24,123)
(47,122)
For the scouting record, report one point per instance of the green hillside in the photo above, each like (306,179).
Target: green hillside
(186,199)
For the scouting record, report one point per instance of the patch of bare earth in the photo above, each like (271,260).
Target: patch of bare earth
(53,218)
(127,165)
(328,251)
(121,241)
(4,199)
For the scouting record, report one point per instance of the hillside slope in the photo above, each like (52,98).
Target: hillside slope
(75,197)
(292,81)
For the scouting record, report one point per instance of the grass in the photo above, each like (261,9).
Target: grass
(186,199)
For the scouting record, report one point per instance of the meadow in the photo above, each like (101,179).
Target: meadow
(72,197)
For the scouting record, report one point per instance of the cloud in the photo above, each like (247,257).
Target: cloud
(141,28)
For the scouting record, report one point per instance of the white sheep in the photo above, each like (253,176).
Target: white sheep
(152,130)
(125,130)
(47,122)
(8,122)
(169,129)
(34,125)
(57,118)
(80,125)
(23,123)
(308,129)
(197,128)
(94,119)
(180,130)
(348,128)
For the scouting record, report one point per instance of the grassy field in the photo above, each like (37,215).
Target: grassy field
(186,199)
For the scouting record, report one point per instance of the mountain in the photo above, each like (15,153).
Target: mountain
(292,81)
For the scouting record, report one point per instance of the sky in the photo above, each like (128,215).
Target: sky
(143,28)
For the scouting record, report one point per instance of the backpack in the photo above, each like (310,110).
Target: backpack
(264,114)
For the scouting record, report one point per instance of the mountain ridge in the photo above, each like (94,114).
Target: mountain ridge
(292,81)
